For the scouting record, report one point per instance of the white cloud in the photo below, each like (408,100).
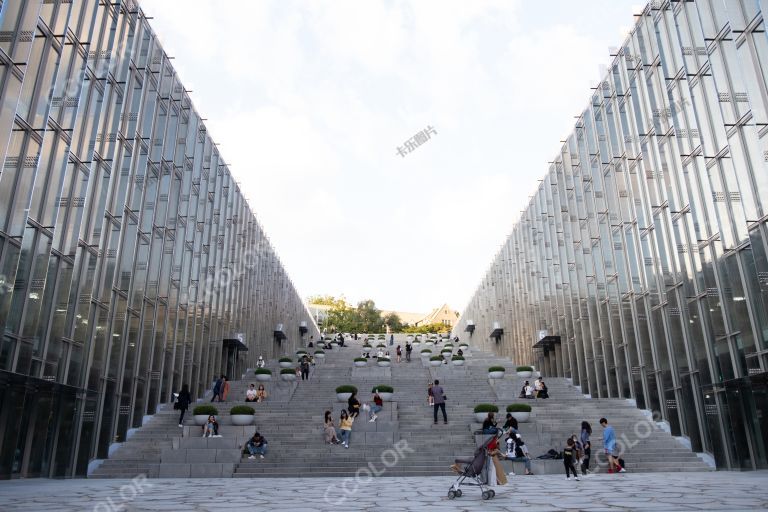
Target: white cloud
(310,99)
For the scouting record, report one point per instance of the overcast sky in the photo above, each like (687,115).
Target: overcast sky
(311,99)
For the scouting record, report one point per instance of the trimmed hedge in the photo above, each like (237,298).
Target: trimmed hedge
(486,408)
(524,369)
(383,389)
(205,410)
(358,359)
(287,371)
(317,352)
(518,408)
(242,409)
(457,358)
(426,351)
(285,360)
(436,358)
(263,371)
(346,388)
(382,359)
(496,369)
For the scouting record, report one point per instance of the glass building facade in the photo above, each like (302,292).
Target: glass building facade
(640,267)
(129,259)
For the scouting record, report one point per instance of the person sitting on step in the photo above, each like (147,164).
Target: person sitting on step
(250,395)
(489,425)
(257,445)
(260,363)
(345,425)
(261,393)
(353,405)
(211,427)
(378,405)
(329,429)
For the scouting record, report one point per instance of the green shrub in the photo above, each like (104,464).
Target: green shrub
(346,388)
(358,359)
(496,369)
(263,371)
(385,359)
(486,408)
(447,345)
(285,360)
(367,346)
(426,351)
(518,408)
(242,409)
(446,350)
(524,369)
(206,410)
(299,352)
(383,389)
(436,358)
(318,352)
(286,371)
(457,358)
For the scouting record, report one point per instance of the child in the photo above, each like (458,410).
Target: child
(569,455)
(430,397)
(578,451)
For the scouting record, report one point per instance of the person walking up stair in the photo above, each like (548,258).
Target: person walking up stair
(217,389)
(438,397)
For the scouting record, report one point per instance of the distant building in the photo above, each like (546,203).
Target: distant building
(442,315)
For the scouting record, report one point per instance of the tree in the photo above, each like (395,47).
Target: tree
(394,322)
(327,300)
(428,328)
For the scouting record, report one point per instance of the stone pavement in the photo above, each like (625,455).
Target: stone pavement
(646,491)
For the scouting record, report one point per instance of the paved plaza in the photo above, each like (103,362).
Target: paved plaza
(650,491)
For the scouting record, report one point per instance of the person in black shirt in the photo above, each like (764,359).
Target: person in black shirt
(182,403)
(569,455)
(353,405)
(511,423)
(489,425)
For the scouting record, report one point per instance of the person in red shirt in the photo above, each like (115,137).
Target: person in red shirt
(378,405)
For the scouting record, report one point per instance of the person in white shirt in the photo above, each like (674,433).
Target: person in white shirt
(380,353)
(260,363)
(537,387)
(529,391)
(250,395)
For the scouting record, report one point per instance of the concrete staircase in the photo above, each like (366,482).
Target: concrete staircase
(403,442)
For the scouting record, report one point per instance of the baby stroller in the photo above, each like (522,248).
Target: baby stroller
(472,474)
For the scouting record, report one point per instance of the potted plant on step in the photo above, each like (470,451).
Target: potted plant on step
(360,362)
(319,354)
(463,346)
(385,392)
(285,362)
(367,347)
(524,372)
(344,392)
(263,374)
(435,360)
(288,374)
(383,362)
(241,415)
(201,413)
(496,372)
(457,360)
(425,352)
(482,410)
(301,353)
(521,412)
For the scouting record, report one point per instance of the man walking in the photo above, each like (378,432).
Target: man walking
(305,368)
(609,444)
(217,389)
(408,349)
(439,401)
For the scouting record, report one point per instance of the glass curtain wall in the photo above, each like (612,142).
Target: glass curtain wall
(127,250)
(644,247)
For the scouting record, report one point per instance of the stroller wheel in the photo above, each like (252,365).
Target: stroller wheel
(458,493)
(493,493)
(451,494)
(487,495)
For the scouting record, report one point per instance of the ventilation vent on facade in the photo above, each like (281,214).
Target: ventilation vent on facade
(635,280)
(623,193)
(671,404)
(648,261)
(724,96)
(111,253)
(682,248)
(124,410)
(718,197)
(674,311)
(711,292)
(741,97)
(734,196)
